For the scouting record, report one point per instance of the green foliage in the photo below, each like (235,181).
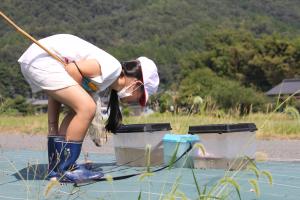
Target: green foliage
(268,175)
(219,190)
(225,92)
(196,184)
(148,157)
(16,106)
(140,195)
(260,62)
(174,156)
(292,112)
(242,42)
(165,101)
(199,146)
(126,111)
(255,185)
(231,181)
(254,170)
(175,193)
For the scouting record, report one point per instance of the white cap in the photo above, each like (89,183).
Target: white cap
(150,78)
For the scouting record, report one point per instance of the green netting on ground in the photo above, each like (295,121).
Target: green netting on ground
(22,177)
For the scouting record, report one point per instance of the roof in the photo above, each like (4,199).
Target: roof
(287,86)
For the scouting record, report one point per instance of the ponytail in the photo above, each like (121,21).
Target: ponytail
(130,69)
(115,116)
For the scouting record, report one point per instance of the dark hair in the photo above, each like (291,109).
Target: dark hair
(130,69)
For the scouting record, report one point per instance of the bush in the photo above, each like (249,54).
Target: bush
(226,93)
(16,106)
(126,111)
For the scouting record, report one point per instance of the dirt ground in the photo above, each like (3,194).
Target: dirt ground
(279,150)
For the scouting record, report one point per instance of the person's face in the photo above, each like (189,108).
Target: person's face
(136,91)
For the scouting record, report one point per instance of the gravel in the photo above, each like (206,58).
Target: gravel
(276,150)
(39,142)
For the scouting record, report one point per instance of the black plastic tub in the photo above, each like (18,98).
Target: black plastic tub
(134,128)
(223,128)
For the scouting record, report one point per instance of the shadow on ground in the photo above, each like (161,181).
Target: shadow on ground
(40,171)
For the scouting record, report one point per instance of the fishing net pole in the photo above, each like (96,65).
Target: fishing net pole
(31,38)
(96,129)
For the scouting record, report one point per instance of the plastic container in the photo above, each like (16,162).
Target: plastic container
(131,140)
(186,141)
(226,145)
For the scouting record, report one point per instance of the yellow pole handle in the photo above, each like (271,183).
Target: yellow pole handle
(31,38)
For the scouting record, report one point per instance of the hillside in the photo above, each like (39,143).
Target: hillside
(168,31)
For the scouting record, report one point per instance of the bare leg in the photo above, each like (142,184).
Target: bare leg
(53,116)
(65,123)
(83,106)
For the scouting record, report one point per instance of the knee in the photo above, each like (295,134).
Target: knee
(88,110)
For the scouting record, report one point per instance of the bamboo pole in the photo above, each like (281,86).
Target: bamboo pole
(91,85)
(31,38)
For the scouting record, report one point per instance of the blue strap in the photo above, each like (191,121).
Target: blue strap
(85,84)
(85,80)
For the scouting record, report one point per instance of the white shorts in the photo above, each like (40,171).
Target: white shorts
(45,73)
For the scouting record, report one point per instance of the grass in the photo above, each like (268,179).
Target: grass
(270,126)
(34,124)
(276,125)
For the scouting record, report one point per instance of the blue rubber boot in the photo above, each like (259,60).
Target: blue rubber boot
(52,158)
(69,171)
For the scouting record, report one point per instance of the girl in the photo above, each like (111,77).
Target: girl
(88,70)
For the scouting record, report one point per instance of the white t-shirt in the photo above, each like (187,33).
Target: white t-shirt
(73,48)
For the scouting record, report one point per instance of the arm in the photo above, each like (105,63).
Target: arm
(89,68)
